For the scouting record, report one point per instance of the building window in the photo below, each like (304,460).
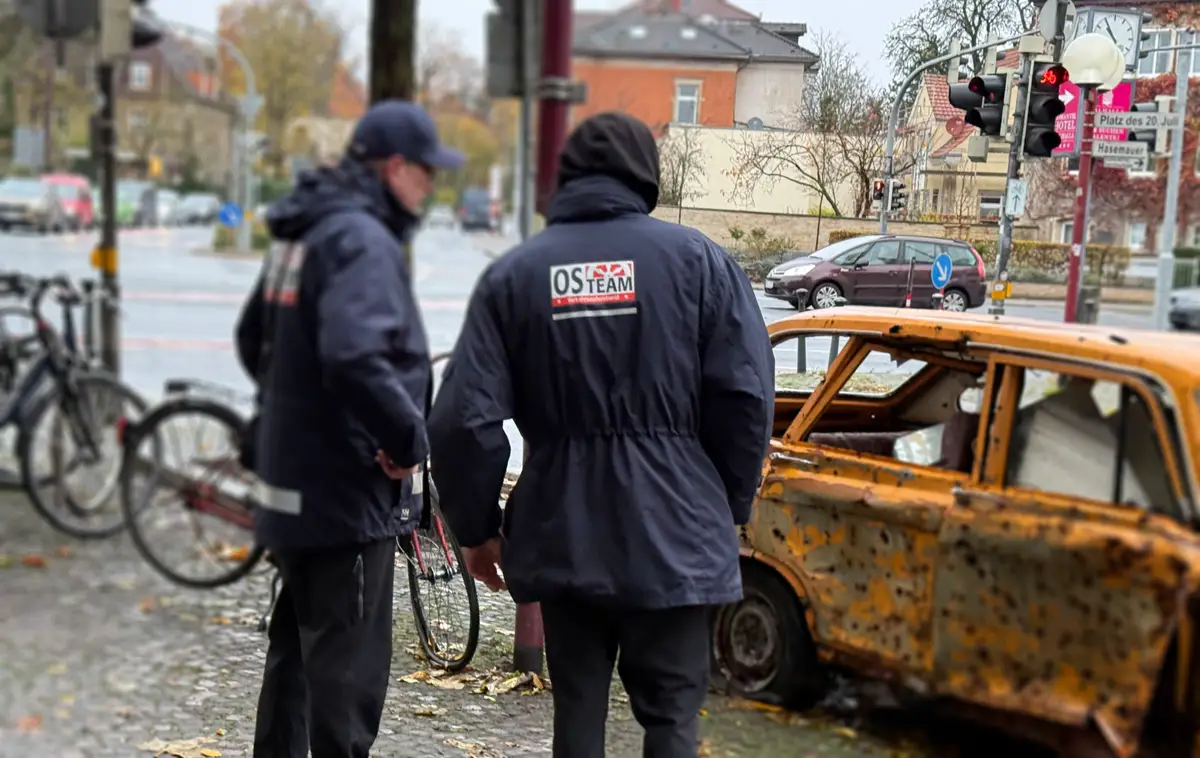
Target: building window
(1191,61)
(1066,232)
(989,207)
(687,103)
(139,76)
(1156,63)
(1137,235)
(137,121)
(935,201)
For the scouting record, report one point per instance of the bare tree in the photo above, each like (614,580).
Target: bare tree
(926,33)
(835,138)
(681,168)
(446,72)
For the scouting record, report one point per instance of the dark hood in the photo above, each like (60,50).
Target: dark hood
(615,146)
(327,190)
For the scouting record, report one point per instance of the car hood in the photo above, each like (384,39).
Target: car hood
(804,260)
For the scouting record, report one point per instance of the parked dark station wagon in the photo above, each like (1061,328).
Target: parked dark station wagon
(873,270)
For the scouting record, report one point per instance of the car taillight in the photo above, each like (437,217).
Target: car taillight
(979,264)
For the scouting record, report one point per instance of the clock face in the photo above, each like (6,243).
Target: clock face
(1121,29)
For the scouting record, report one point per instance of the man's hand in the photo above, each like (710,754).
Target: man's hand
(484,563)
(391,469)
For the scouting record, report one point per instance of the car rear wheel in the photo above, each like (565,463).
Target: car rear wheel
(825,295)
(954,300)
(761,646)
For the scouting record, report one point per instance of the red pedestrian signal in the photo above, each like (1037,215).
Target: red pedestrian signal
(877,189)
(1051,77)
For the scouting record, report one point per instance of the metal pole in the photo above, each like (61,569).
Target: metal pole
(525,141)
(1004,248)
(106,252)
(1166,238)
(48,116)
(889,147)
(1079,224)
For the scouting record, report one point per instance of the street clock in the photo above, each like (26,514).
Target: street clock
(1123,27)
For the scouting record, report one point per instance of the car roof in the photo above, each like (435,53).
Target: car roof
(1169,354)
(923,238)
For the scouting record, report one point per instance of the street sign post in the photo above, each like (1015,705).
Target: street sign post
(1015,196)
(230,215)
(1129,164)
(1119,99)
(1137,121)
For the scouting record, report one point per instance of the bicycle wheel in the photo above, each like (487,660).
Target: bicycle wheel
(435,563)
(183,486)
(78,431)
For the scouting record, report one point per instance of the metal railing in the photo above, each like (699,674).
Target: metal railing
(1187,273)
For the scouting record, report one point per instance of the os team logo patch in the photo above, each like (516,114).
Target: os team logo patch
(592,283)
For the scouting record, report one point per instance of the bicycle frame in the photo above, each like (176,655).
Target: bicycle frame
(27,391)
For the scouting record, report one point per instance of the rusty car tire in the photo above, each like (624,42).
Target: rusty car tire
(782,668)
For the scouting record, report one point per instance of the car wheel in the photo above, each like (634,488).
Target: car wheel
(825,295)
(954,300)
(761,646)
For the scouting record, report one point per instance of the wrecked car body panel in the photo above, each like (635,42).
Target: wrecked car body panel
(972,569)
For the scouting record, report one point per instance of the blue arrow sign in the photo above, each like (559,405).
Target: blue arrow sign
(940,272)
(230,215)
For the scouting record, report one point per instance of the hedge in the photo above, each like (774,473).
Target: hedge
(1187,253)
(1108,262)
(225,239)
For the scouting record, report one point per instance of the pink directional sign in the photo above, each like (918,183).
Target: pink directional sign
(1119,99)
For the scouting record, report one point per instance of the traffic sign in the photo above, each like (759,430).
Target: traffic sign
(939,272)
(1129,164)
(1048,20)
(1015,196)
(1118,99)
(1120,149)
(1138,121)
(230,215)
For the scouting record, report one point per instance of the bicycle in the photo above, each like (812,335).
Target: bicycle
(81,404)
(214,489)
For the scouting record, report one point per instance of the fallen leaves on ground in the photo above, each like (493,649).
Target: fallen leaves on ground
(147,605)
(33,561)
(64,552)
(491,683)
(222,620)
(472,750)
(29,724)
(193,748)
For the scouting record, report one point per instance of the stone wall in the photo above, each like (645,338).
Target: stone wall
(803,232)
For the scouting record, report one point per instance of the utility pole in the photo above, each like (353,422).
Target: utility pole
(104,257)
(1079,222)
(1166,250)
(393,62)
(48,116)
(525,140)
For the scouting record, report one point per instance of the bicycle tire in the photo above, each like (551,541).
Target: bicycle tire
(433,655)
(26,454)
(152,422)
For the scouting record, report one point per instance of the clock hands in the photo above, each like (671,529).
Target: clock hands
(1108,26)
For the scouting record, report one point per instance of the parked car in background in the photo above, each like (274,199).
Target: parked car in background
(477,211)
(75,194)
(168,207)
(440,217)
(31,204)
(139,196)
(873,270)
(1185,310)
(199,208)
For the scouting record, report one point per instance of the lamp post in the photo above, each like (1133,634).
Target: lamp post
(1094,62)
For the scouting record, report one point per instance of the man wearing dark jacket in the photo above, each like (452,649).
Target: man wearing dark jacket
(333,336)
(633,358)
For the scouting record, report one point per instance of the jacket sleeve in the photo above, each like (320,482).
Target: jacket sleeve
(248,332)
(364,345)
(737,383)
(469,448)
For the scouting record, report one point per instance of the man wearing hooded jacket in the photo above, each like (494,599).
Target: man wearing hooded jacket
(334,338)
(631,354)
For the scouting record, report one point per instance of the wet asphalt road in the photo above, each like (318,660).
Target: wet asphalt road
(98,655)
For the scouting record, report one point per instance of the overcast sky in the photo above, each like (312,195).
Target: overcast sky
(862,23)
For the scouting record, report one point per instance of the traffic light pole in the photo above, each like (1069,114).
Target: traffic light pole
(1004,248)
(105,257)
(1166,250)
(1079,223)
(889,147)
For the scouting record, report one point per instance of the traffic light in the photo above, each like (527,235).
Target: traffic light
(1044,108)
(898,196)
(991,115)
(877,194)
(1143,47)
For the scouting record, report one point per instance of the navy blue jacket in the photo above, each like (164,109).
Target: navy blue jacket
(348,369)
(634,360)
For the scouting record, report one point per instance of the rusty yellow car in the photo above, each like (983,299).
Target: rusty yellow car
(995,513)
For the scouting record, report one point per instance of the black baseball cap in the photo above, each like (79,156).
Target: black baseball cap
(399,127)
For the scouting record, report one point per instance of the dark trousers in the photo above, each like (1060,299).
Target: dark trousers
(663,662)
(329,655)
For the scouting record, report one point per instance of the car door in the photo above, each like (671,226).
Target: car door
(1061,574)
(920,254)
(876,277)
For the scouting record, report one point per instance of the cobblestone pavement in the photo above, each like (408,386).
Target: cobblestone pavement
(99,656)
